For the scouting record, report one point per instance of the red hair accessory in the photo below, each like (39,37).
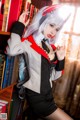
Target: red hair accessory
(51,8)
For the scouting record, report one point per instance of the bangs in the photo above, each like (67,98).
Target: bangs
(55,21)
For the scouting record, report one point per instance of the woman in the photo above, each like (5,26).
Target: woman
(46,61)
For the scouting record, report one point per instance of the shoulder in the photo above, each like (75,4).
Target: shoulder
(18,28)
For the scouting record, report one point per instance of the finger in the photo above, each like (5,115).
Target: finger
(58,47)
(27,22)
(62,47)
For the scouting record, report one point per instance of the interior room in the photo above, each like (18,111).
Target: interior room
(66,89)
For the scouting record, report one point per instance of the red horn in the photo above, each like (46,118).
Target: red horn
(50,8)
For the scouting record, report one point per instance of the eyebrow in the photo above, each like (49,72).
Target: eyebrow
(58,27)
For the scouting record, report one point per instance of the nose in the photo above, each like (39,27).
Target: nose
(53,32)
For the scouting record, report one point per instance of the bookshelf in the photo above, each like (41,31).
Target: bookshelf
(4,33)
(6,93)
(8,17)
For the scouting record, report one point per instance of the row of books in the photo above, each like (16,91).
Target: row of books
(12,70)
(16,107)
(10,11)
(3,106)
(8,70)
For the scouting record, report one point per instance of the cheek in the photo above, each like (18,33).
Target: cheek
(54,31)
(46,30)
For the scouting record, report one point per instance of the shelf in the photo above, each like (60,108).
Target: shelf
(6,94)
(4,33)
(2,90)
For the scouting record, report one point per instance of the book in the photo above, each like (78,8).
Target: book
(10,71)
(13,14)
(2,2)
(28,6)
(2,67)
(3,107)
(6,72)
(15,71)
(5,15)
(3,101)
(0,109)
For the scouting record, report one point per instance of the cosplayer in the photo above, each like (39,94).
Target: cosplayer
(46,61)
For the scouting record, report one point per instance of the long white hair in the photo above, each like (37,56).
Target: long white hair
(44,16)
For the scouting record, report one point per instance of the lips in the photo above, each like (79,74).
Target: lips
(50,36)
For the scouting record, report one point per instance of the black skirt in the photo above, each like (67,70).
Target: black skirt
(41,105)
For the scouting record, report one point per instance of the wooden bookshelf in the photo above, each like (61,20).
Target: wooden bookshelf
(6,94)
(4,33)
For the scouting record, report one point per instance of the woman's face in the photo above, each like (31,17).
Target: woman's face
(50,31)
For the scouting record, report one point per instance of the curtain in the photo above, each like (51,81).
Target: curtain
(66,89)
(70,1)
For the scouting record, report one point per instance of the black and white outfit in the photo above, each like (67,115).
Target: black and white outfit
(42,71)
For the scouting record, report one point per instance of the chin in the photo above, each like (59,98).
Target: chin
(51,40)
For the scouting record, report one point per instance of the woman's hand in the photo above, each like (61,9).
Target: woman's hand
(51,55)
(60,52)
(22,18)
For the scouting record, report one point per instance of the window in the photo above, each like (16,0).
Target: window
(72,33)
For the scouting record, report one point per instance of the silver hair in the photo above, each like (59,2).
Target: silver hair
(39,21)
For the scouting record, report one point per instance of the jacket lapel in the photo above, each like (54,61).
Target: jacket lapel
(36,47)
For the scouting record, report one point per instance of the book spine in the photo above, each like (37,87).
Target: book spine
(2,2)
(3,101)
(6,10)
(15,70)
(14,12)
(27,8)
(2,67)
(10,71)
(31,8)
(8,15)
(3,107)
(31,12)
(2,74)
(0,109)
(6,72)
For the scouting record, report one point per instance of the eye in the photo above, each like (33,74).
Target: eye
(51,25)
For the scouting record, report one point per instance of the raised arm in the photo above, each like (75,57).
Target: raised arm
(15,46)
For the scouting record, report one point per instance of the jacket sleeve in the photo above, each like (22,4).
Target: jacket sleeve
(57,71)
(15,45)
